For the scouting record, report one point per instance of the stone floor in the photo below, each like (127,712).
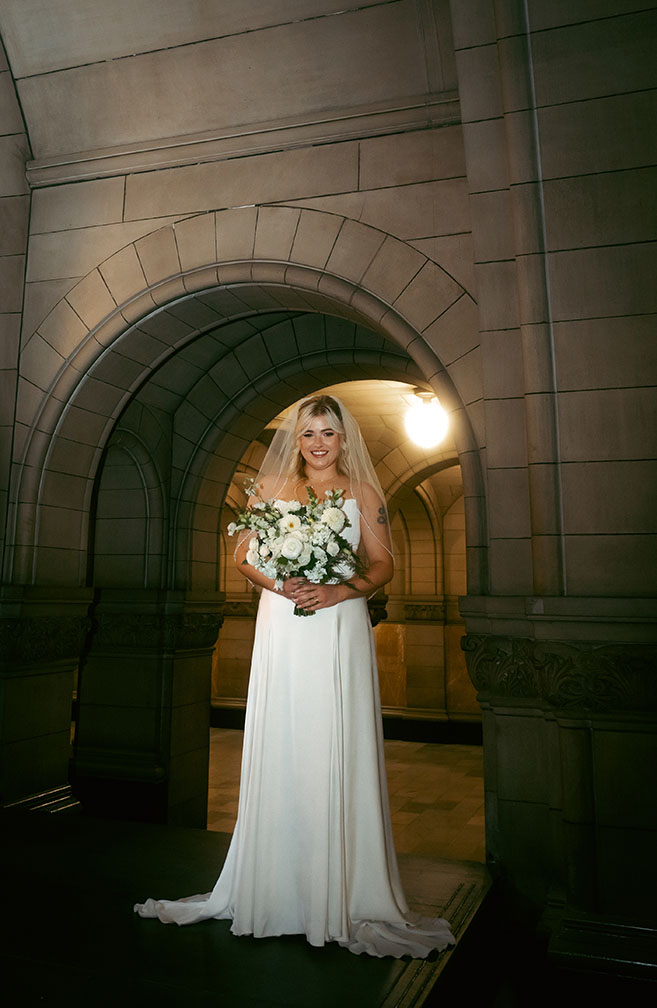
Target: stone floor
(436,795)
(68,936)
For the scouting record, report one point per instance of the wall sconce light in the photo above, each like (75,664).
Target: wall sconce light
(426,421)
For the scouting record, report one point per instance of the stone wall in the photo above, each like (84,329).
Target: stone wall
(556,102)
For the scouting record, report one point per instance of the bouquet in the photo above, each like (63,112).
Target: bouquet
(299,540)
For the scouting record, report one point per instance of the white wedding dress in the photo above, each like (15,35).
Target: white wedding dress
(312,852)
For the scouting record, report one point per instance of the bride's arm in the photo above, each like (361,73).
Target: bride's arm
(375,536)
(256,577)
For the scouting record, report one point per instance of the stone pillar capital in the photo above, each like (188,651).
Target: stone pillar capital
(41,625)
(566,675)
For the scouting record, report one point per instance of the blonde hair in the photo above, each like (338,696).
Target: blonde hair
(318,406)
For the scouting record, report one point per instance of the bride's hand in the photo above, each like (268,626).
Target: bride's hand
(312,596)
(291,587)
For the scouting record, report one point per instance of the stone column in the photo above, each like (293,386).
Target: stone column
(42,633)
(142,742)
(570,737)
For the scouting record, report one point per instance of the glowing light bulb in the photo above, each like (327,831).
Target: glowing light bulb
(426,421)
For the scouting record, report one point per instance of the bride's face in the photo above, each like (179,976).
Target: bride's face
(320,444)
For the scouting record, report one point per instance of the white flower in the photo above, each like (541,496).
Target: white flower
(254,543)
(232,528)
(264,550)
(320,534)
(293,505)
(332,548)
(334,518)
(319,553)
(305,556)
(276,547)
(290,523)
(291,547)
(252,557)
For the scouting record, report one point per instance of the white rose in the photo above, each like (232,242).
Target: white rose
(264,550)
(305,556)
(332,548)
(291,547)
(254,544)
(252,557)
(290,523)
(334,518)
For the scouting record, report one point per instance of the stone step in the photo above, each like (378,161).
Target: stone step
(435,887)
(59,799)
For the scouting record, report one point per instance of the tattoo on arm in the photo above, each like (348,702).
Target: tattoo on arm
(382,520)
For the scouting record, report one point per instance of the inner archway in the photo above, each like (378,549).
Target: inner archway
(417,625)
(169,465)
(423,678)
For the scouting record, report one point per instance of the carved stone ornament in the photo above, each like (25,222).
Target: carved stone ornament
(197,630)
(594,677)
(428,612)
(28,640)
(140,631)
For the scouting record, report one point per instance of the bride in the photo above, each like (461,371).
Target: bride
(312,852)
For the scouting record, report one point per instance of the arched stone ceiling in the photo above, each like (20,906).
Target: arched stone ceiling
(122,322)
(260,339)
(379,406)
(92,355)
(205,383)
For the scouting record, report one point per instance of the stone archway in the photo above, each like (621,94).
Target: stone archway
(141,306)
(112,336)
